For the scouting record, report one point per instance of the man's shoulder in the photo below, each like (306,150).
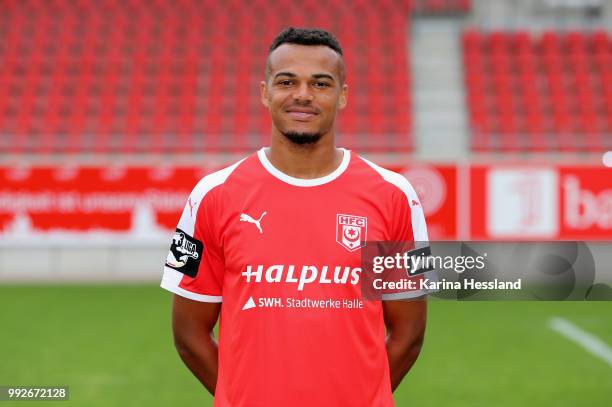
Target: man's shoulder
(382,177)
(220,178)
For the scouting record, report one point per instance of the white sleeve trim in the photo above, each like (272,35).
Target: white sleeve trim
(404,295)
(169,282)
(431,275)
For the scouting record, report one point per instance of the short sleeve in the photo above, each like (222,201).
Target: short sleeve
(409,230)
(195,264)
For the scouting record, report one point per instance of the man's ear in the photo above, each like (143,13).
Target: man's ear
(263,93)
(343,97)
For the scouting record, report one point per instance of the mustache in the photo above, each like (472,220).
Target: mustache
(302,106)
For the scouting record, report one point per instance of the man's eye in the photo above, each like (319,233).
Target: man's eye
(322,84)
(285,83)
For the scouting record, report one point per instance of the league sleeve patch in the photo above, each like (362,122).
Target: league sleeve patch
(420,260)
(185,253)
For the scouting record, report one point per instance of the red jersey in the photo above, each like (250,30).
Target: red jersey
(283,255)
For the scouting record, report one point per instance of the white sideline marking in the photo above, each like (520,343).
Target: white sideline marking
(589,342)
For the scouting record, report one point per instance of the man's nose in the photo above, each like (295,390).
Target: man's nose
(303,94)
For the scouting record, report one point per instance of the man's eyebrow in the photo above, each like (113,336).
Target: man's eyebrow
(289,74)
(323,75)
(315,76)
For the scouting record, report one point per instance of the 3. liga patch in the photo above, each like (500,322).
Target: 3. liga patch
(185,253)
(351,231)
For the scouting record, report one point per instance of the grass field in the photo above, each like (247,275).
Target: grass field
(112,345)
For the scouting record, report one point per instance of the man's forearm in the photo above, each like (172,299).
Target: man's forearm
(201,357)
(402,353)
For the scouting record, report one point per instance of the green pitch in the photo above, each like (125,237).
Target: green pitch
(112,345)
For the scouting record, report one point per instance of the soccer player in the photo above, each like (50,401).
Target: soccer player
(272,245)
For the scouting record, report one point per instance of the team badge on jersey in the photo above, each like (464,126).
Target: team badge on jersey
(185,253)
(351,231)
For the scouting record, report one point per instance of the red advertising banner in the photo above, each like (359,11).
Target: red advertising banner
(436,186)
(540,202)
(586,203)
(76,205)
(80,204)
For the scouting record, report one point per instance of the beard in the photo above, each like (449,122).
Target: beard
(302,138)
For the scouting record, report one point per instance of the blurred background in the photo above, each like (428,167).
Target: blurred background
(499,112)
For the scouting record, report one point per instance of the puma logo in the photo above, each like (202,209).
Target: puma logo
(246,218)
(191,206)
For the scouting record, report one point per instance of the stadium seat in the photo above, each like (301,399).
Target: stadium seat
(182,76)
(441,6)
(529,92)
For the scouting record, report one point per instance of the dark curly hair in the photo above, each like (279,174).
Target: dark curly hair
(307,36)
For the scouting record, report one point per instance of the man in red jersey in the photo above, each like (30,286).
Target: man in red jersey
(276,238)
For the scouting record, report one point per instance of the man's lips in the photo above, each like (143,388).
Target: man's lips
(301,114)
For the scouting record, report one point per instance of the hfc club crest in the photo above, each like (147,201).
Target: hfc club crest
(351,231)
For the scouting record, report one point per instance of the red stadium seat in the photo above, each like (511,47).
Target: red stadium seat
(134,76)
(552,92)
(441,6)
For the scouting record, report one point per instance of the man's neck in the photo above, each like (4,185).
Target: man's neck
(305,161)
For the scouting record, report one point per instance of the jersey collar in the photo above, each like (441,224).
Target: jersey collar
(304,182)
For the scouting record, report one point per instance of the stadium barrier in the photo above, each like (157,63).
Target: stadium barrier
(116,222)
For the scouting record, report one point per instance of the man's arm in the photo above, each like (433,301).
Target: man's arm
(192,326)
(405,321)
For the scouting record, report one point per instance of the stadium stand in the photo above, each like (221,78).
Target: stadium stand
(441,6)
(528,92)
(182,76)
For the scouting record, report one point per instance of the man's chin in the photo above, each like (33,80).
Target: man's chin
(302,138)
